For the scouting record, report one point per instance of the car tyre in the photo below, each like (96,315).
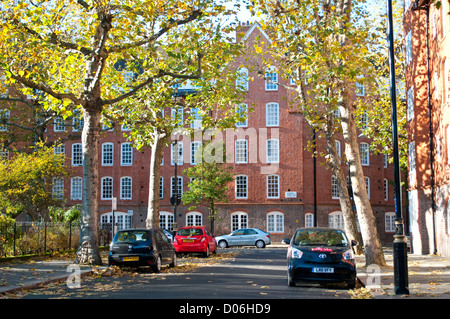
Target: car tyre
(206,254)
(260,244)
(351,284)
(291,283)
(222,244)
(174,260)
(157,266)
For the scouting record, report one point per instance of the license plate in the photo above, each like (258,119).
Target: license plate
(323,270)
(131,258)
(188,240)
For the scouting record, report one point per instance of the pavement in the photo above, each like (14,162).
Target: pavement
(428,276)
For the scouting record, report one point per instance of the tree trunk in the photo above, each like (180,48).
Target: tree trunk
(155,174)
(344,198)
(88,250)
(372,245)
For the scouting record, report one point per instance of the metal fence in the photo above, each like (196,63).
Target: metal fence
(23,238)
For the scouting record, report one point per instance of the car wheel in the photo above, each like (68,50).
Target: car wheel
(157,266)
(207,251)
(260,244)
(174,260)
(351,284)
(222,244)
(291,283)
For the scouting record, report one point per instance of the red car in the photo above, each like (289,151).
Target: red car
(194,239)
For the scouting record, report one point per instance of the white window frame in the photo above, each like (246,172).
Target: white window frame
(196,147)
(408,47)
(336,220)
(360,88)
(410,104)
(241,187)
(179,150)
(273,150)
(107,189)
(367,183)
(77,154)
(242,79)
(273,186)
(365,153)
(239,220)
(412,161)
(122,220)
(242,110)
(271,78)
(309,220)
(241,151)
(166,220)
(4,114)
(389,222)
(334,187)
(107,154)
(59,124)
(196,119)
(194,219)
(179,186)
(126,154)
(76,188)
(275,222)
(126,187)
(272,114)
(58,188)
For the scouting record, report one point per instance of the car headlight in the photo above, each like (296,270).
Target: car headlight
(296,253)
(348,255)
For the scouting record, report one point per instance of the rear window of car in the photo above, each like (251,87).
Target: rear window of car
(190,232)
(132,236)
(327,237)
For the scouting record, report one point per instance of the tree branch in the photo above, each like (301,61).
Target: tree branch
(194,15)
(46,89)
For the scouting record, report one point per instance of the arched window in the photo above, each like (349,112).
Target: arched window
(275,222)
(242,79)
(194,219)
(336,220)
(122,220)
(166,220)
(239,220)
(309,220)
(271,79)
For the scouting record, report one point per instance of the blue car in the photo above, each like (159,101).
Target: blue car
(321,255)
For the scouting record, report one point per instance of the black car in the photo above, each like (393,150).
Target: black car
(142,247)
(321,255)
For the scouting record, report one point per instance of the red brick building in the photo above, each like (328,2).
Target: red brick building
(427,63)
(278,184)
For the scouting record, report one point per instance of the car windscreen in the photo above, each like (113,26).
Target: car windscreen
(326,237)
(132,236)
(190,232)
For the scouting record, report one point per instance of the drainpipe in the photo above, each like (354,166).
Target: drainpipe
(424,5)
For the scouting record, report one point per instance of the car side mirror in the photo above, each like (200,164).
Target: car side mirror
(286,241)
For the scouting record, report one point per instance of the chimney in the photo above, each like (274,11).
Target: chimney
(242,29)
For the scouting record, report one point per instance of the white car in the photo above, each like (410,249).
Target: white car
(245,237)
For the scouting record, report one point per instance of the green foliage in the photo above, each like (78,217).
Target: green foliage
(27,180)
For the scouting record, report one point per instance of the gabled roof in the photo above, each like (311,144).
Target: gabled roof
(253,28)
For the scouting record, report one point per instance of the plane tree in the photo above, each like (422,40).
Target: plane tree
(69,50)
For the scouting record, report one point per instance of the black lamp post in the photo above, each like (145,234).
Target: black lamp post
(400,249)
